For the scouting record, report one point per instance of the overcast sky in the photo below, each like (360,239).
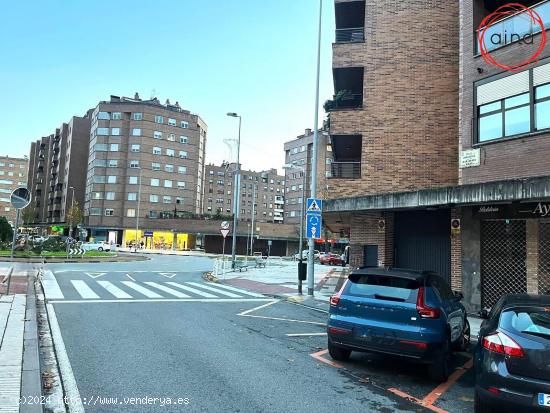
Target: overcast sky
(257,58)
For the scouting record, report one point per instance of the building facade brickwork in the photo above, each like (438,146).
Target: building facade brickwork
(13,174)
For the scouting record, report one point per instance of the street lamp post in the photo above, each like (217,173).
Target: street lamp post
(72,211)
(236,191)
(138,206)
(252,226)
(310,258)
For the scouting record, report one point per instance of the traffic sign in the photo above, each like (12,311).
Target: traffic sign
(314,206)
(76,250)
(224,232)
(69,240)
(20,198)
(313,226)
(225,225)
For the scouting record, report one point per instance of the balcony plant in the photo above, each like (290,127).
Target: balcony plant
(339,97)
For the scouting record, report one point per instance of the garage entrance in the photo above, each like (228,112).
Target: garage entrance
(423,241)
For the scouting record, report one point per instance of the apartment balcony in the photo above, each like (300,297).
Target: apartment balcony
(277,218)
(348,86)
(278,210)
(512,29)
(350,21)
(345,170)
(346,152)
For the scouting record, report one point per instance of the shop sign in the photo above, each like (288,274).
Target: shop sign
(469,158)
(519,210)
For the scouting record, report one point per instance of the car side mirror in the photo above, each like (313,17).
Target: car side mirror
(459,296)
(484,314)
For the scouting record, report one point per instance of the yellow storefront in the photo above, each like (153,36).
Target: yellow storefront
(161,240)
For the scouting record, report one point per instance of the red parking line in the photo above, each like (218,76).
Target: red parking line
(443,387)
(318,355)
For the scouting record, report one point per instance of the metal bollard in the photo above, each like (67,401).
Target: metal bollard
(9,280)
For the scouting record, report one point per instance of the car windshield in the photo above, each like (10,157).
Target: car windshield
(383,287)
(532,320)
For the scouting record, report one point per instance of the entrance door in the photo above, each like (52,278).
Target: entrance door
(370,255)
(423,241)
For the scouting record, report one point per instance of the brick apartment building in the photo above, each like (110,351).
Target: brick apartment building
(146,150)
(57,172)
(13,174)
(265,187)
(452,152)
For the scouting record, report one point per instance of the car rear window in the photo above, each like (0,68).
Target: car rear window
(383,287)
(527,320)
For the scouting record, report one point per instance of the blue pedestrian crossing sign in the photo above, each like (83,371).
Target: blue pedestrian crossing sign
(313,217)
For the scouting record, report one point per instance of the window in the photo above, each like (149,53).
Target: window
(103,116)
(134,164)
(155,182)
(10,173)
(100,147)
(157,134)
(153,214)
(184,124)
(159,119)
(133,180)
(181,184)
(109,212)
(114,147)
(155,166)
(156,150)
(96,179)
(132,196)
(135,147)
(111,179)
(116,116)
(180,200)
(182,169)
(172,122)
(110,196)
(113,163)
(131,212)
(98,163)
(167,183)
(167,199)
(183,154)
(153,198)
(115,131)
(97,195)
(137,116)
(183,139)
(506,117)
(102,131)
(95,211)
(542,107)
(170,152)
(136,132)
(171,137)
(169,168)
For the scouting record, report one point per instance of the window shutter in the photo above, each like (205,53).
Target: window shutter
(541,75)
(503,88)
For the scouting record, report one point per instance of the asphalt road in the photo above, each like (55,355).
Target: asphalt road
(233,354)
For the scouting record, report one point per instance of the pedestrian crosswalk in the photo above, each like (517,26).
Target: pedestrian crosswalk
(123,290)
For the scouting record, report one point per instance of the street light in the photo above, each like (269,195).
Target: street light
(138,206)
(236,191)
(72,211)
(310,272)
(303,170)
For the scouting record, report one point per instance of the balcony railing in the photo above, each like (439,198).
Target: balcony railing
(519,24)
(348,101)
(345,170)
(350,35)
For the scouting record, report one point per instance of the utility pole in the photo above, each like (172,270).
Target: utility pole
(72,212)
(138,205)
(236,192)
(310,258)
(252,226)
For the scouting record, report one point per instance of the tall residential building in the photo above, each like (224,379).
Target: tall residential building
(13,174)
(56,171)
(142,150)
(299,152)
(265,187)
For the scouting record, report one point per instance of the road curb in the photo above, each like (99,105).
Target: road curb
(96,260)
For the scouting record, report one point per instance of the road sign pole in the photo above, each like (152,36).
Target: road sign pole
(14,240)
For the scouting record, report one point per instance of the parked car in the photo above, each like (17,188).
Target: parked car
(96,246)
(331,259)
(413,314)
(512,356)
(305,254)
(37,239)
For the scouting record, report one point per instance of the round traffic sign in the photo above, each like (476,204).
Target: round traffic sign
(20,198)
(225,225)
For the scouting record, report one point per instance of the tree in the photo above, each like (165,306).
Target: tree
(27,215)
(75,215)
(6,231)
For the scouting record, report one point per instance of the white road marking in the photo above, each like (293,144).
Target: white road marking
(238,290)
(113,289)
(165,300)
(286,319)
(192,290)
(51,287)
(142,290)
(95,275)
(67,376)
(83,289)
(167,274)
(128,275)
(216,290)
(305,334)
(258,308)
(167,290)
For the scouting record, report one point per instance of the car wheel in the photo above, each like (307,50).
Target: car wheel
(463,342)
(480,406)
(338,353)
(100,249)
(440,369)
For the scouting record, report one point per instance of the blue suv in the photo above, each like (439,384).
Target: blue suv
(413,314)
